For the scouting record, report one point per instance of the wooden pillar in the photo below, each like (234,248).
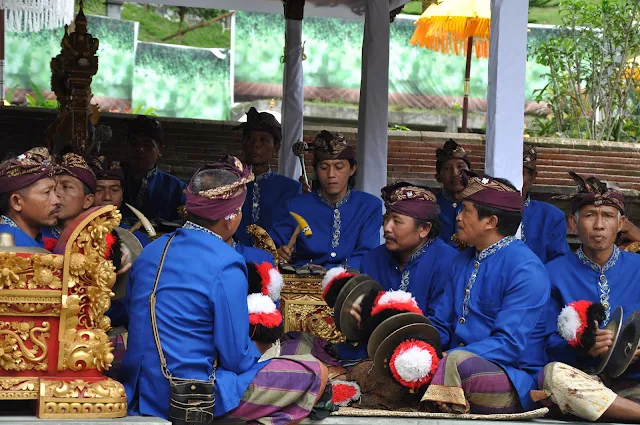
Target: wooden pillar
(293,89)
(373,114)
(507,74)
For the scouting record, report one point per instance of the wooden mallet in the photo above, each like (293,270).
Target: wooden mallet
(303,227)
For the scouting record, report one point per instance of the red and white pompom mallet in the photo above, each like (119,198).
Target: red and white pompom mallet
(345,392)
(332,276)
(395,300)
(576,323)
(413,363)
(271,280)
(263,311)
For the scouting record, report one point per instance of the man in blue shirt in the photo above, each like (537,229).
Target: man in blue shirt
(203,318)
(156,194)
(451,161)
(544,227)
(598,272)
(491,316)
(413,258)
(269,193)
(28,200)
(109,181)
(345,222)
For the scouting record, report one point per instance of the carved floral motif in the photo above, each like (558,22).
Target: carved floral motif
(15,355)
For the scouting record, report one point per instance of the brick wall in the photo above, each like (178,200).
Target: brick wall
(189,143)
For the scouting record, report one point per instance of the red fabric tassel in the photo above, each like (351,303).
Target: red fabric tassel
(409,307)
(265,278)
(268,320)
(581,308)
(338,277)
(344,393)
(49,243)
(110,241)
(404,347)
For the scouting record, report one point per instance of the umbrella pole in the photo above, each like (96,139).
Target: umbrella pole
(467,78)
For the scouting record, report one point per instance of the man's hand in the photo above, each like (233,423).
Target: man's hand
(356,312)
(284,253)
(630,232)
(306,187)
(604,341)
(125,260)
(636,356)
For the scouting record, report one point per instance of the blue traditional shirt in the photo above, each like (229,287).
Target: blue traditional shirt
(254,255)
(449,210)
(424,276)
(342,233)
(266,198)
(575,277)
(19,236)
(544,230)
(202,317)
(158,196)
(493,306)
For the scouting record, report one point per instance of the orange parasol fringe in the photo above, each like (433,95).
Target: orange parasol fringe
(450,34)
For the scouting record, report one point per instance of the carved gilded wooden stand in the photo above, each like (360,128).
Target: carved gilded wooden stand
(53,329)
(303,308)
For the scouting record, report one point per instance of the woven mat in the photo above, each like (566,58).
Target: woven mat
(350,411)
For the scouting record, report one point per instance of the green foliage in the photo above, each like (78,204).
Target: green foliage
(154,27)
(589,91)
(142,110)
(183,81)
(38,100)
(398,127)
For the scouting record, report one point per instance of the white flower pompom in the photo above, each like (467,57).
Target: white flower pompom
(413,364)
(259,303)
(569,323)
(332,274)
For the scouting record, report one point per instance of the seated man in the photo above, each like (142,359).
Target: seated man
(412,258)
(156,194)
(598,272)
(491,314)
(202,305)
(451,160)
(28,200)
(76,189)
(345,222)
(109,180)
(261,137)
(544,228)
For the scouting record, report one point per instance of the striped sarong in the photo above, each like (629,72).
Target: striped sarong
(300,343)
(470,383)
(282,392)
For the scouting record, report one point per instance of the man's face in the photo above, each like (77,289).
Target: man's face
(38,204)
(597,227)
(450,175)
(72,198)
(108,192)
(528,180)
(258,148)
(401,234)
(144,152)
(470,228)
(334,175)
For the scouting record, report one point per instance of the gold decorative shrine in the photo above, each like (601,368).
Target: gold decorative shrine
(303,308)
(53,329)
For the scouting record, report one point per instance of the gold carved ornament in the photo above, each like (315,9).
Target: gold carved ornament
(15,355)
(81,399)
(88,279)
(304,309)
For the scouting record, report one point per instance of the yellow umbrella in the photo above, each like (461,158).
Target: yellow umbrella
(456,26)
